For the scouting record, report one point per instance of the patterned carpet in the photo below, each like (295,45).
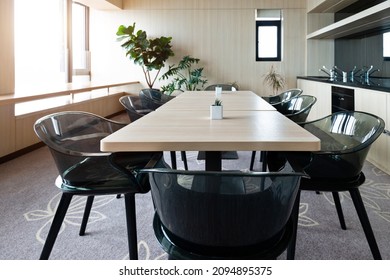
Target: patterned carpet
(28,201)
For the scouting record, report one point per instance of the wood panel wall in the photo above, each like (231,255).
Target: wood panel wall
(7,76)
(221,33)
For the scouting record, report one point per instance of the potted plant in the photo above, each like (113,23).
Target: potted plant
(151,54)
(184,77)
(216,110)
(274,80)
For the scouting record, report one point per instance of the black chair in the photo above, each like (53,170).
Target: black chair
(346,138)
(153,99)
(225,87)
(223,215)
(133,107)
(74,141)
(296,109)
(283,97)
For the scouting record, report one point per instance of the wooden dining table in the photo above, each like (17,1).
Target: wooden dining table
(175,127)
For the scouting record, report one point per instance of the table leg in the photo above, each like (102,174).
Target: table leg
(213,161)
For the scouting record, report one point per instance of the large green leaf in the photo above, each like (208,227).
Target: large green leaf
(151,54)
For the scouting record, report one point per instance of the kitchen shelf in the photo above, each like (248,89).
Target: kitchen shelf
(371,18)
(331,6)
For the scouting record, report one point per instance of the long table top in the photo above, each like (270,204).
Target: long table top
(186,130)
(231,100)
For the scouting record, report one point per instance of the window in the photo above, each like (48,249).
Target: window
(39,42)
(80,40)
(386,46)
(268,35)
(42,53)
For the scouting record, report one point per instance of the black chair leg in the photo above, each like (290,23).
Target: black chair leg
(263,160)
(363,217)
(340,214)
(87,211)
(184,159)
(56,225)
(131,226)
(252,160)
(173,160)
(295,218)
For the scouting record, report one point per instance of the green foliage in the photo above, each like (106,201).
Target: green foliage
(217,102)
(150,54)
(274,80)
(184,77)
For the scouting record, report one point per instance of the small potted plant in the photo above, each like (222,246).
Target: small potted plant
(274,80)
(216,110)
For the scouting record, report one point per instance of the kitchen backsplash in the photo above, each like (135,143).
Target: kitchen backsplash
(362,52)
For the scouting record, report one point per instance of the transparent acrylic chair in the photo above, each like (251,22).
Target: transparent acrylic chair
(133,107)
(74,141)
(283,97)
(153,98)
(346,138)
(223,215)
(296,109)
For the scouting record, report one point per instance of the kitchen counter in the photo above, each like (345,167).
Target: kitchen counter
(374,83)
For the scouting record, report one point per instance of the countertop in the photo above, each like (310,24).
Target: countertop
(374,83)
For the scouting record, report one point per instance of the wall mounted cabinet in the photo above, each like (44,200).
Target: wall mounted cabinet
(322,30)
(374,17)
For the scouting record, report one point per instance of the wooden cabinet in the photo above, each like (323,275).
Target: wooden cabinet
(376,102)
(322,91)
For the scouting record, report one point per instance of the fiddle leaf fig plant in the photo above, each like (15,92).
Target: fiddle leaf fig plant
(274,80)
(184,76)
(150,53)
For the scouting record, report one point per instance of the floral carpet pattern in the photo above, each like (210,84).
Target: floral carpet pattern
(28,203)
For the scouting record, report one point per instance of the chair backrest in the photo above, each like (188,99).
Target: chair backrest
(74,136)
(283,97)
(223,209)
(346,138)
(298,108)
(225,87)
(133,107)
(153,98)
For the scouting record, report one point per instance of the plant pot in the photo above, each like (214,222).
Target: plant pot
(216,112)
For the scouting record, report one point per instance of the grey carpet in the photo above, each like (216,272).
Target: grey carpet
(28,200)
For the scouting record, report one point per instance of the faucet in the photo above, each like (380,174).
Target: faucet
(329,72)
(323,69)
(353,73)
(369,72)
(343,73)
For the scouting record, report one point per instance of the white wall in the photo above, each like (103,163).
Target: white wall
(221,33)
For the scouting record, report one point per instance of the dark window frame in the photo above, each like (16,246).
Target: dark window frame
(385,58)
(278,25)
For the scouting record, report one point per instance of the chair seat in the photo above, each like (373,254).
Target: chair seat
(329,185)
(267,250)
